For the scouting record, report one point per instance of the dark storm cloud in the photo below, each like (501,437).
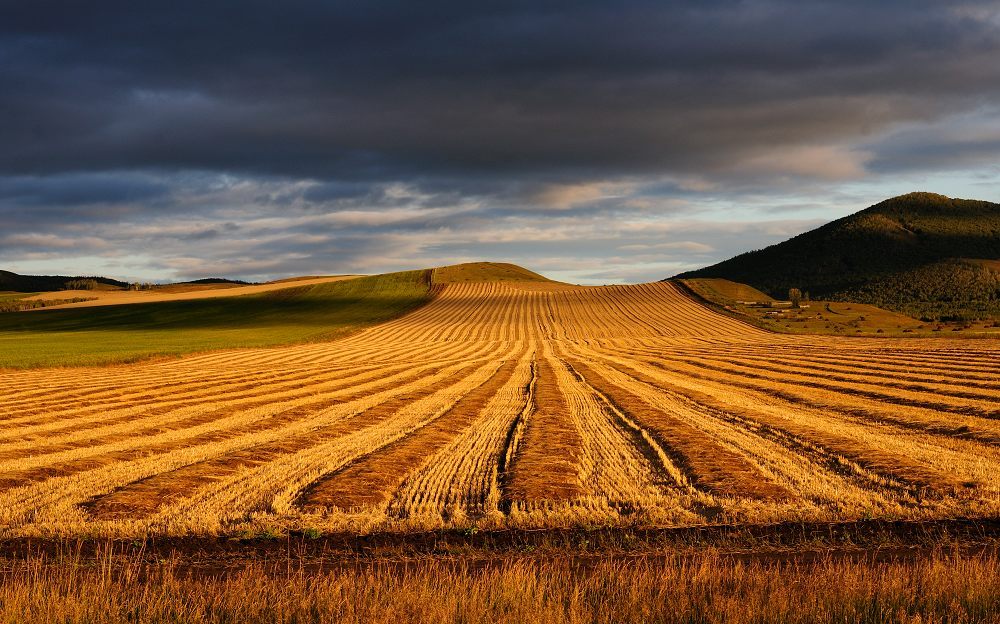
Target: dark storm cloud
(383,90)
(367,135)
(79,190)
(952,144)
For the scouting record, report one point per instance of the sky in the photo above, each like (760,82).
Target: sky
(594,142)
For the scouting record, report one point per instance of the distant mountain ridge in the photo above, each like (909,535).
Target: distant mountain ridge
(466,272)
(924,254)
(216,280)
(38,283)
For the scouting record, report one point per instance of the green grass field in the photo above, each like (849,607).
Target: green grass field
(727,291)
(127,333)
(834,318)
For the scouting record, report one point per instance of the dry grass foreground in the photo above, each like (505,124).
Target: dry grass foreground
(509,404)
(943,587)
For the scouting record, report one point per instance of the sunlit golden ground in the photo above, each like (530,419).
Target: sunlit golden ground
(509,404)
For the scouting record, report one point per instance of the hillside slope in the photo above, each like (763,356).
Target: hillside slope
(174,292)
(125,333)
(485,272)
(923,254)
(14,282)
(95,332)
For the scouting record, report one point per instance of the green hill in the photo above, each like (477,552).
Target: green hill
(727,291)
(485,272)
(126,333)
(923,254)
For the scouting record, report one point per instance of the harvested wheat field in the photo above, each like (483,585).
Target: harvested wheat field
(175,292)
(509,404)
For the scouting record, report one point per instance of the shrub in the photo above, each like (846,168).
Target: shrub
(81,284)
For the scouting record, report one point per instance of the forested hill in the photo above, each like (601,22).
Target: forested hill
(920,253)
(39,283)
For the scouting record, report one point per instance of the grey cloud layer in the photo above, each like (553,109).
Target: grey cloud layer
(334,89)
(458,117)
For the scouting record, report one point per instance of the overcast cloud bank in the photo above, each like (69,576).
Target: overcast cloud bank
(595,142)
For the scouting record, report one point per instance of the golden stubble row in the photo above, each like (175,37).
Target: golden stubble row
(502,404)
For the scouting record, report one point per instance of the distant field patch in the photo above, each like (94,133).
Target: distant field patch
(20,304)
(126,333)
(834,318)
(485,272)
(729,290)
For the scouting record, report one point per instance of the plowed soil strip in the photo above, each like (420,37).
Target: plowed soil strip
(125,396)
(706,463)
(792,362)
(144,497)
(162,426)
(812,382)
(61,469)
(857,383)
(882,462)
(98,413)
(545,466)
(464,474)
(868,410)
(371,480)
